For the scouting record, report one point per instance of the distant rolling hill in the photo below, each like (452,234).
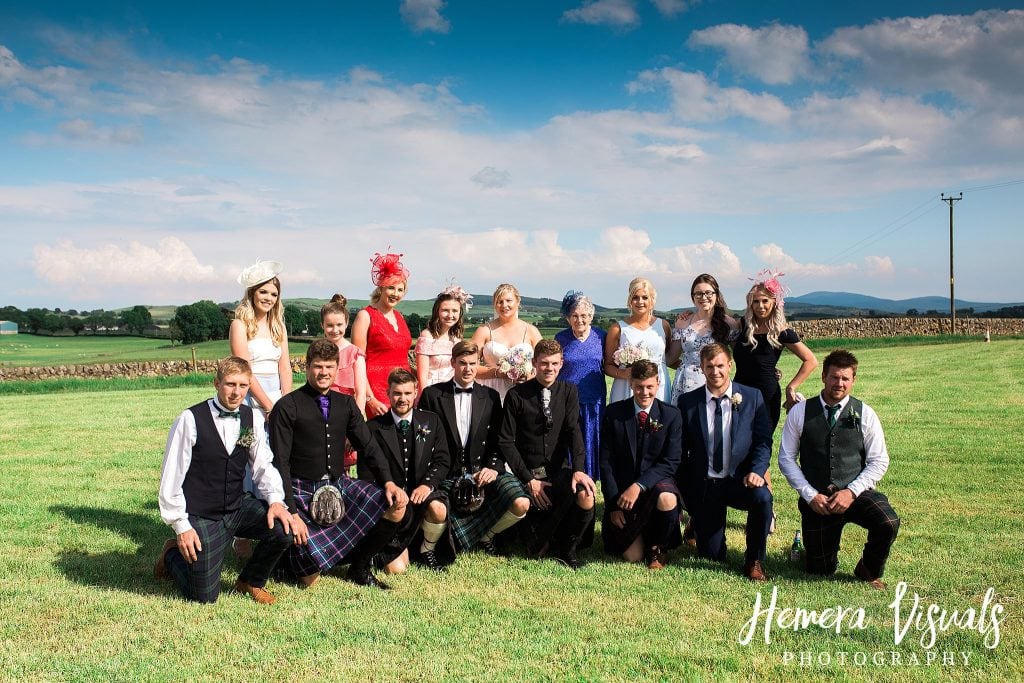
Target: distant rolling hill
(870,303)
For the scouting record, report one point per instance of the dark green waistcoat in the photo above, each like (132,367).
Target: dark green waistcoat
(832,456)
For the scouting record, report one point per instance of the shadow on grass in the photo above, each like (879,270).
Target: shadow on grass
(132,572)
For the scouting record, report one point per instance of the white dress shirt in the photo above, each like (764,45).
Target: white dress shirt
(876,460)
(463,412)
(709,405)
(178,457)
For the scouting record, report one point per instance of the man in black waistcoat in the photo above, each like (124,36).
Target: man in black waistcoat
(203,500)
(540,426)
(412,457)
(308,428)
(471,416)
(842,453)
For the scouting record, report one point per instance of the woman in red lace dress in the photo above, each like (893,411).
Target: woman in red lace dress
(380,330)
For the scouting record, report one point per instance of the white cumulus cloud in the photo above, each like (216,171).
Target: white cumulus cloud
(774,54)
(170,261)
(617,13)
(697,99)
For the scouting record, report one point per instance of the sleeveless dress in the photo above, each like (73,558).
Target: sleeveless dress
(584,366)
(689,375)
(654,339)
(387,348)
(439,355)
(264,356)
(755,366)
(494,352)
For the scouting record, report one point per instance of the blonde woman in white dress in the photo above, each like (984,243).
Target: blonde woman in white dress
(641,328)
(502,336)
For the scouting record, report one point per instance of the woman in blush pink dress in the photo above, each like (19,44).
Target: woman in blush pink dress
(443,331)
(380,330)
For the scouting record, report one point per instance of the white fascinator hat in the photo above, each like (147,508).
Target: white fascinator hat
(259,272)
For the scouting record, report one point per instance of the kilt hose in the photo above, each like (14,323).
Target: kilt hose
(200,580)
(822,533)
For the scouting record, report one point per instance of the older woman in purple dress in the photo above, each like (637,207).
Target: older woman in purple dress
(583,362)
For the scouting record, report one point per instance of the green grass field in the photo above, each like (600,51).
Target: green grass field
(81,530)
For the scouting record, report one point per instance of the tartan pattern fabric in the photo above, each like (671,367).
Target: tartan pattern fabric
(468,529)
(328,546)
(617,540)
(822,533)
(200,581)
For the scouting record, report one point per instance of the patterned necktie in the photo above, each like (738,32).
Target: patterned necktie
(832,412)
(718,457)
(641,420)
(228,413)
(403,427)
(325,405)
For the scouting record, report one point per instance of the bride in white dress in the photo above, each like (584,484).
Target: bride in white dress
(501,336)
(642,327)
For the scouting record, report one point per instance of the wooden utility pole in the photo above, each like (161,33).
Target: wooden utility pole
(952,302)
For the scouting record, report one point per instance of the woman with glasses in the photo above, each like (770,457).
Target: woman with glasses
(582,365)
(710,323)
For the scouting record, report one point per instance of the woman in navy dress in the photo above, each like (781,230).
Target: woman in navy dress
(583,363)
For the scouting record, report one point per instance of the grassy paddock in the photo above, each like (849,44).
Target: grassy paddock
(81,530)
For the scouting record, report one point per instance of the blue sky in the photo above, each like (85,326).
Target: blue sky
(153,150)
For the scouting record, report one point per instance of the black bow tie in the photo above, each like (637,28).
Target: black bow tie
(460,390)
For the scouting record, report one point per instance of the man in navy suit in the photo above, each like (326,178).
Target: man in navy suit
(727,439)
(641,447)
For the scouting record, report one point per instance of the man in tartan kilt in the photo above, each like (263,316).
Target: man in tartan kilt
(202,497)
(842,452)
(308,428)
(413,458)
(471,414)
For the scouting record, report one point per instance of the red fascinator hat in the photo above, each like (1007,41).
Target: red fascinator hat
(387,270)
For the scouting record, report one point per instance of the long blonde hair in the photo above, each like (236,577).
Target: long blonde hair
(275,318)
(776,322)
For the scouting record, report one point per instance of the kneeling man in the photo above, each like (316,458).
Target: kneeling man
(842,453)
(411,460)
(308,428)
(202,496)
(540,426)
(471,416)
(727,441)
(641,446)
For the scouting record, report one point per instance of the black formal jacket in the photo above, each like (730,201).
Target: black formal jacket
(430,452)
(307,447)
(662,448)
(484,424)
(526,444)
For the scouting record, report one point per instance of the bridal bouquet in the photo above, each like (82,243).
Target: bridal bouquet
(626,355)
(517,363)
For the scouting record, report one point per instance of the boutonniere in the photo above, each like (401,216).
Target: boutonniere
(246,438)
(853,419)
(736,399)
(654,426)
(422,432)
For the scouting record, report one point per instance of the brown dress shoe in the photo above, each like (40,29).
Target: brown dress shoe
(656,558)
(861,573)
(260,595)
(160,568)
(754,571)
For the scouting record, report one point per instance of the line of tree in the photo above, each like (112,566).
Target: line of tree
(135,320)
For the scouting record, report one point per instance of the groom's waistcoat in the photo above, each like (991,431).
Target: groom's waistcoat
(832,455)
(213,483)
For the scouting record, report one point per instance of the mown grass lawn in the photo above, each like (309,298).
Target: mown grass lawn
(80,532)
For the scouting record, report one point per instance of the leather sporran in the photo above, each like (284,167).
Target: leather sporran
(467,497)
(327,507)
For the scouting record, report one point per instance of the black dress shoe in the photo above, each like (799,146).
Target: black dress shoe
(570,559)
(365,577)
(489,547)
(429,559)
